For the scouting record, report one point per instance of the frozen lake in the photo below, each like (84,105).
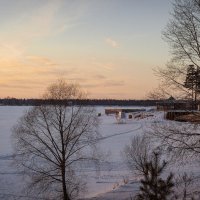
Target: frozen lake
(112,174)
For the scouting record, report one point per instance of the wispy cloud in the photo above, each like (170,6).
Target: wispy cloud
(102,65)
(99,77)
(113,83)
(41,61)
(45,20)
(106,84)
(50,19)
(111,42)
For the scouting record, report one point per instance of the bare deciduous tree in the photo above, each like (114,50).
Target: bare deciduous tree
(187,187)
(182,33)
(145,160)
(162,92)
(137,153)
(51,141)
(181,141)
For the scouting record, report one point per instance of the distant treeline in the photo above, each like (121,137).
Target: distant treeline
(92,102)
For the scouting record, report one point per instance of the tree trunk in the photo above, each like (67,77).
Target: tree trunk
(65,194)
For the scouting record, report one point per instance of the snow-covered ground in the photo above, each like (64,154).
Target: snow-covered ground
(113,173)
(10,178)
(115,137)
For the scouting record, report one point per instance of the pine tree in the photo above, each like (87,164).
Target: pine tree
(153,187)
(192,81)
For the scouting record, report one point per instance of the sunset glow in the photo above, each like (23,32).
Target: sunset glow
(109,47)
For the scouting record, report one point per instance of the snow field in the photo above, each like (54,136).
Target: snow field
(112,172)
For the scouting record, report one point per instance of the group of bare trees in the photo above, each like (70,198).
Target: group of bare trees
(147,159)
(50,140)
(179,78)
(182,33)
(182,74)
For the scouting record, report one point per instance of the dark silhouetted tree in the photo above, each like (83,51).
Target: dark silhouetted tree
(52,140)
(192,81)
(153,186)
(144,160)
(182,33)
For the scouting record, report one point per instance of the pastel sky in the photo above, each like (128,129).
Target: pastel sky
(109,47)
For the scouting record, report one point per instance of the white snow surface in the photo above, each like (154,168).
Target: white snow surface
(109,181)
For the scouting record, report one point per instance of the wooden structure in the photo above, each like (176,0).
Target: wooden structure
(177,114)
(178,105)
(116,111)
(172,104)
